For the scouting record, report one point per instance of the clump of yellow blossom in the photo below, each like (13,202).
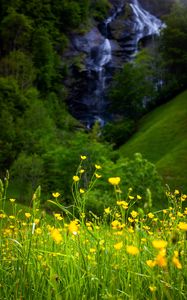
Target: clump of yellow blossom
(56,236)
(38,231)
(27,215)
(159,244)
(182,226)
(12,200)
(150,215)
(58,217)
(152,288)
(151,263)
(56,194)
(118,246)
(83,157)
(160,259)
(98,175)
(176,261)
(134,214)
(73,227)
(98,167)
(107,210)
(122,203)
(133,250)
(76,178)
(114,180)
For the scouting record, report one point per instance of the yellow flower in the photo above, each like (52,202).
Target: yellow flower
(12,217)
(176,261)
(152,288)
(176,192)
(83,157)
(114,180)
(56,195)
(159,244)
(132,250)
(12,200)
(38,231)
(130,220)
(73,227)
(92,250)
(81,171)
(161,260)
(76,178)
(107,210)
(183,197)
(27,215)
(36,221)
(151,263)
(134,214)
(116,224)
(150,215)
(2,216)
(182,226)
(58,217)
(123,203)
(56,236)
(97,175)
(131,197)
(82,191)
(139,197)
(118,246)
(98,167)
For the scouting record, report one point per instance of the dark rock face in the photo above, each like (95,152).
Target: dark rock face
(102,50)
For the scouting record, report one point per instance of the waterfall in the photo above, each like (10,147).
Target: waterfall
(145,24)
(99,62)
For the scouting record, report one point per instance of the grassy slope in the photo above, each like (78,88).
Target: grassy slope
(162,139)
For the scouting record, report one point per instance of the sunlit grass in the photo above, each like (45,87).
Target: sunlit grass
(162,139)
(123,254)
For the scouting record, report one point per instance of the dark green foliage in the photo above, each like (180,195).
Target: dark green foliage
(119,131)
(15,32)
(127,97)
(174,46)
(19,66)
(138,175)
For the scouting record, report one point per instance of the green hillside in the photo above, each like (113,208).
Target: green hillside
(162,139)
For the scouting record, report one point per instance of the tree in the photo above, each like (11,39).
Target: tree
(133,87)
(174,45)
(15,31)
(20,66)
(45,59)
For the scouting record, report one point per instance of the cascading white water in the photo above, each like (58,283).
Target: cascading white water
(99,62)
(145,24)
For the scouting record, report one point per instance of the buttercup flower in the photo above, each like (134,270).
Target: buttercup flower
(56,236)
(132,250)
(27,215)
(182,226)
(83,157)
(118,246)
(98,167)
(114,180)
(107,210)
(76,178)
(56,195)
(159,244)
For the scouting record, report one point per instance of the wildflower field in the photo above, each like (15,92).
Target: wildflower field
(74,254)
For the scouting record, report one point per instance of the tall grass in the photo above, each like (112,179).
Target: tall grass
(123,254)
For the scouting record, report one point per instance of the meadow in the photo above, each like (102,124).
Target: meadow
(162,139)
(125,253)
